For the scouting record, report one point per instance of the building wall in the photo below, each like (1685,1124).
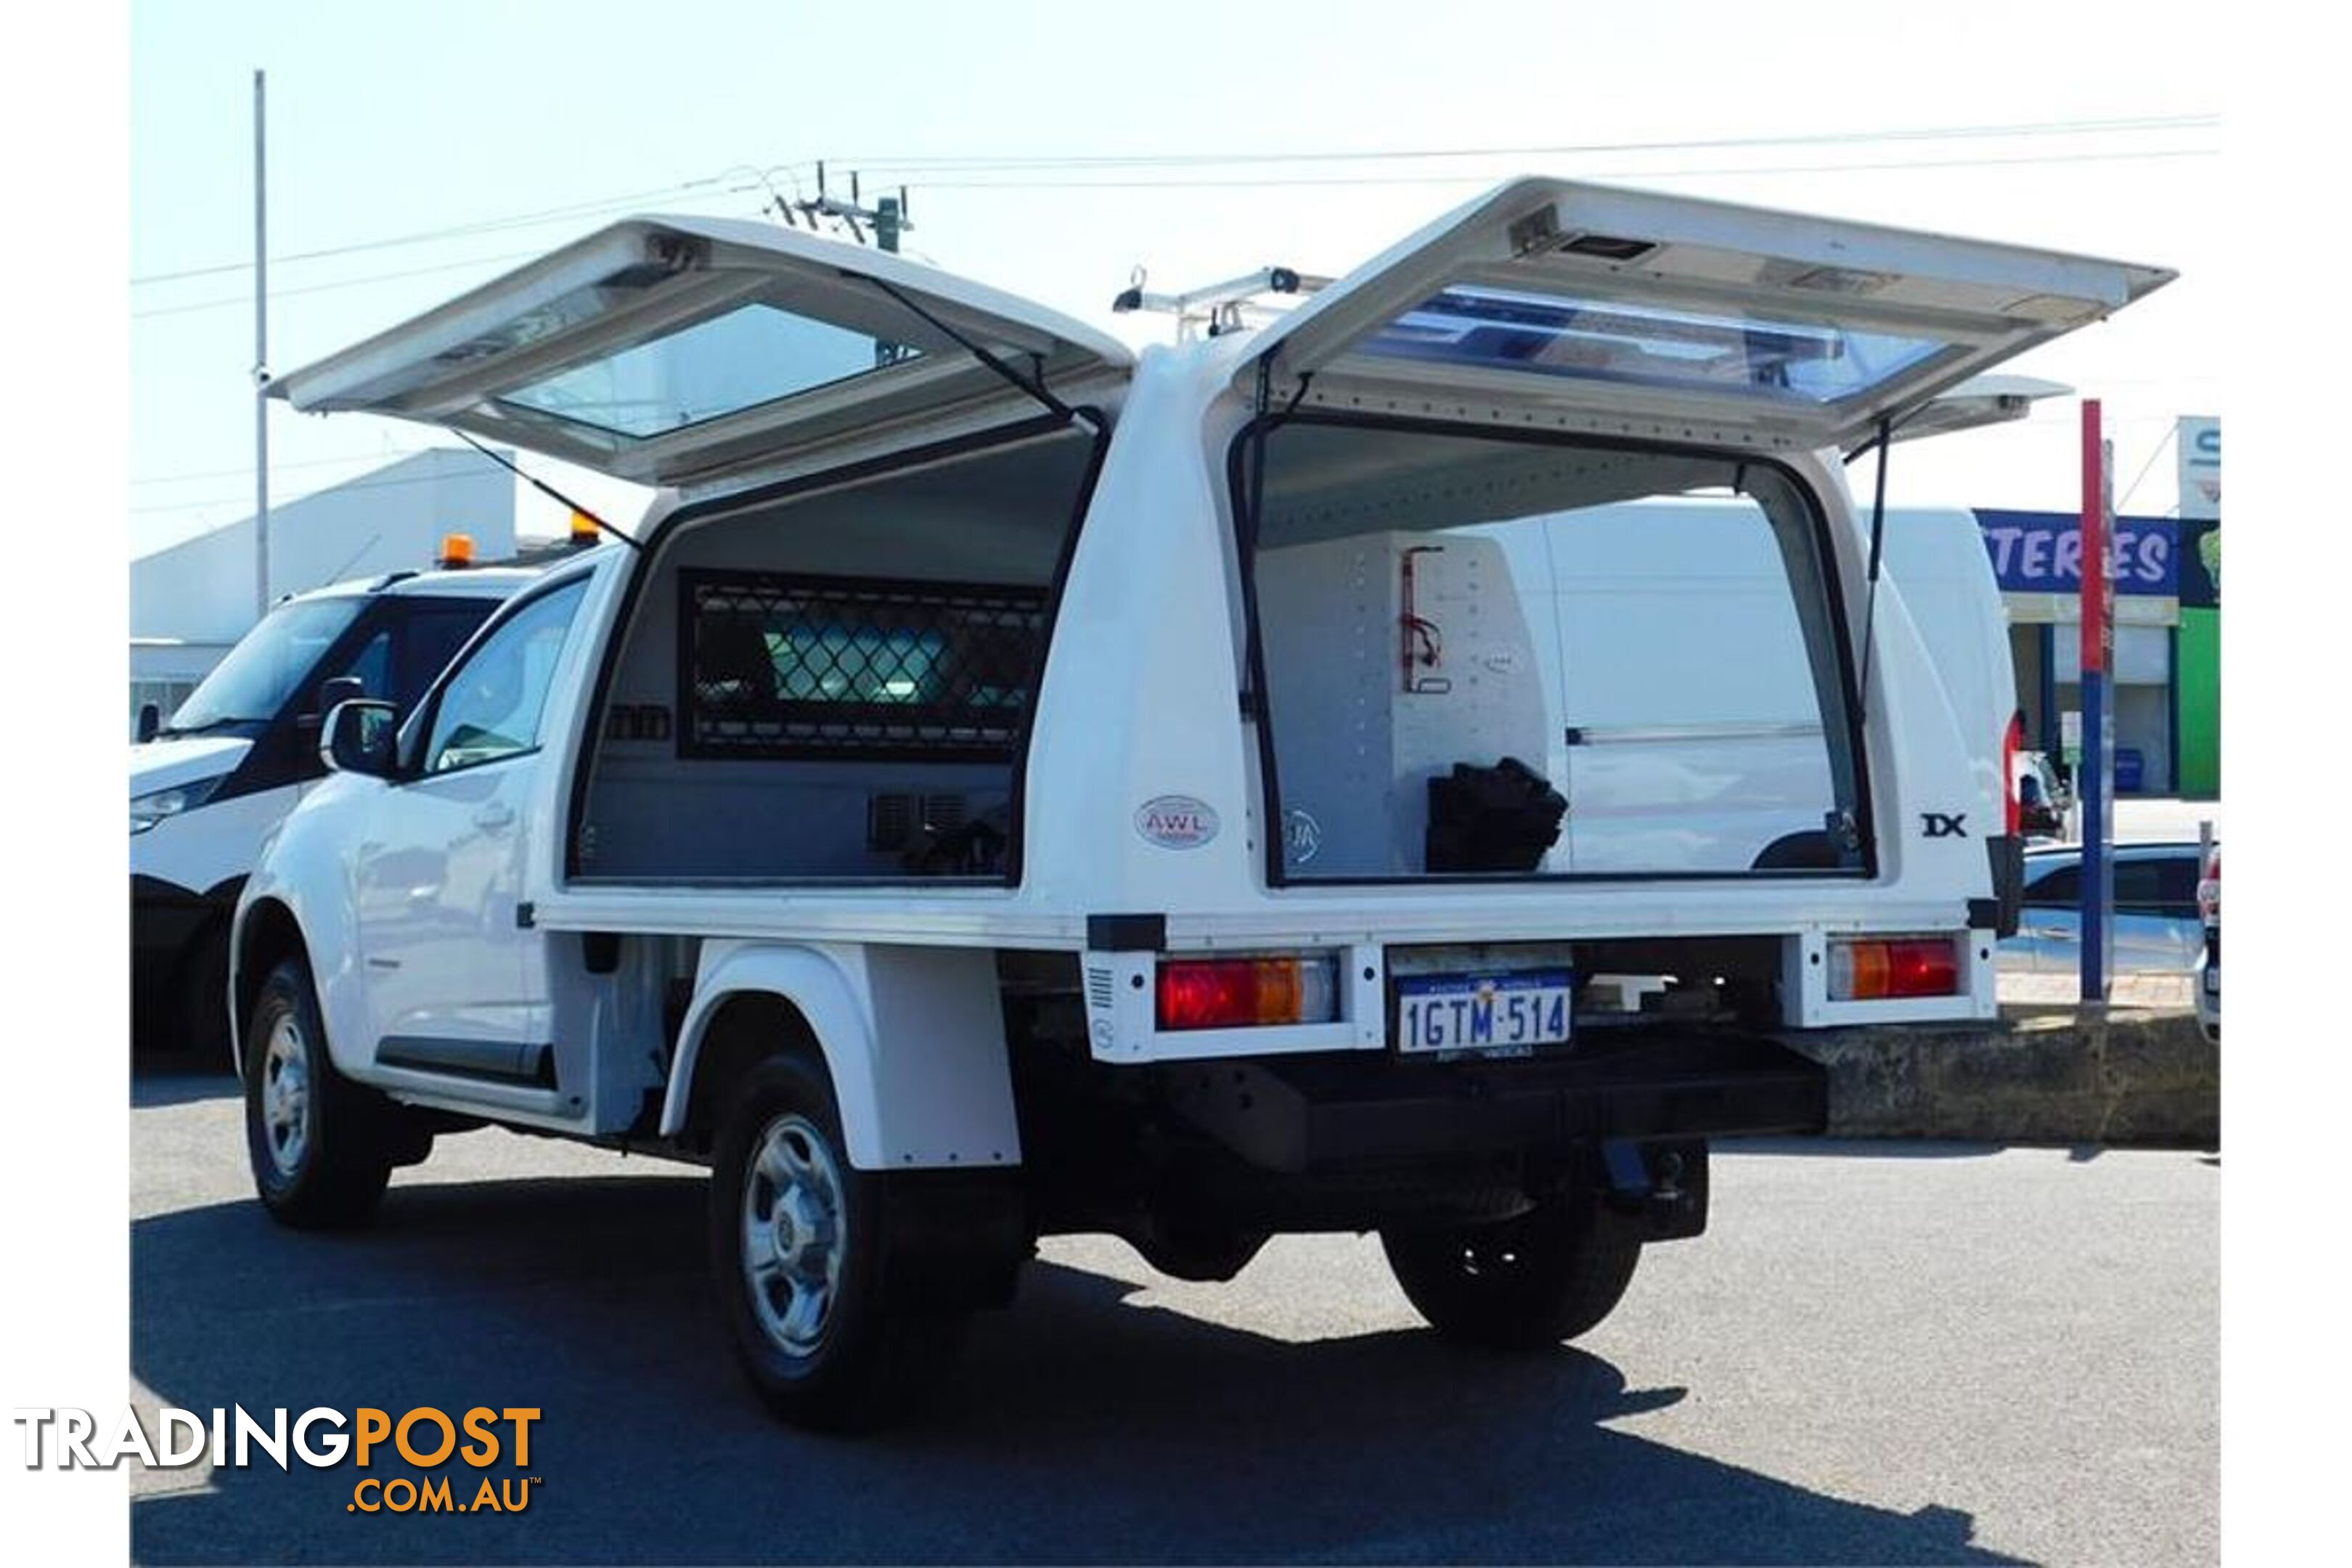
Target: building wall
(2036,558)
(2200,700)
(201,590)
(192,601)
(164,672)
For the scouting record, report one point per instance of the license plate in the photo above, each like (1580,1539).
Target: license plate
(1502,1015)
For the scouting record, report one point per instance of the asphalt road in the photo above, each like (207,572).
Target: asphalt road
(1878,1353)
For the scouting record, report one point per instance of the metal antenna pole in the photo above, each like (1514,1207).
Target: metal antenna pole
(260,362)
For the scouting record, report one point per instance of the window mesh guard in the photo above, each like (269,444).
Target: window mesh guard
(788,666)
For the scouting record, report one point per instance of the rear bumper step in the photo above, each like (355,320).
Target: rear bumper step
(1299,1114)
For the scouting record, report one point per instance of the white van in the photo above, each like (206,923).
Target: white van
(210,784)
(1014,786)
(1670,758)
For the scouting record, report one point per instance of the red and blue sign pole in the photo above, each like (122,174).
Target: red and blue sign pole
(2096,789)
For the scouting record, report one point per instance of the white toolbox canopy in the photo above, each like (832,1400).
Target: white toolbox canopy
(685,352)
(1546,303)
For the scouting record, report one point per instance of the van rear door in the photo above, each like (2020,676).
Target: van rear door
(696,352)
(1547,304)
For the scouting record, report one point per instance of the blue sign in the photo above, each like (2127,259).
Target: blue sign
(2042,552)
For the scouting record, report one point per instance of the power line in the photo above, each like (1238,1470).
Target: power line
(454,231)
(2162,441)
(969,163)
(384,457)
(342,283)
(975,163)
(227,302)
(345,487)
(1230,183)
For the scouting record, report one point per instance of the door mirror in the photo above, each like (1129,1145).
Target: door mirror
(359,737)
(150,718)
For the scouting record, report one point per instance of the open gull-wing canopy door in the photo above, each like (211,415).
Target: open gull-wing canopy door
(1626,313)
(682,352)
(1977,402)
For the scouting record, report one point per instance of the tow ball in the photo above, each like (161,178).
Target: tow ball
(1662,1187)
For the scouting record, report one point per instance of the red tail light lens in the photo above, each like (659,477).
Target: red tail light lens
(2013,741)
(1235,993)
(1889,968)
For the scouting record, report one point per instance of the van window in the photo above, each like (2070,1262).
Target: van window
(265,666)
(431,634)
(1488,657)
(415,642)
(372,665)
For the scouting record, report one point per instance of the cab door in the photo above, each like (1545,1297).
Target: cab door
(454,985)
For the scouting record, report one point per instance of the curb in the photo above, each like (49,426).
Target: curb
(2054,1074)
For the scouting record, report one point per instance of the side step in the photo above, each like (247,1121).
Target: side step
(492,1061)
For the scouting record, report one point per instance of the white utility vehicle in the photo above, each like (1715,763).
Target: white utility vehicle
(208,786)
(1014,786)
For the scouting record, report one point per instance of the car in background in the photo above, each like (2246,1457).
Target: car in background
(210,784)
(2208,956)
(2157,930)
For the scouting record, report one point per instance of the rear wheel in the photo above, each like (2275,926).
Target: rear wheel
(798,1240)
(1545,1276)
(321,1146)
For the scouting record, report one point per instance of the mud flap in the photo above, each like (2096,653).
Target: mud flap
(2007,854)
(957,1239)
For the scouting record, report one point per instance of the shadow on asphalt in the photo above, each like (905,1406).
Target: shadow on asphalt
(179,1078)
(1081,1426)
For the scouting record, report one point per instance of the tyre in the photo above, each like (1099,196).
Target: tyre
(799,1246)
(1545,1276)
(321,1146)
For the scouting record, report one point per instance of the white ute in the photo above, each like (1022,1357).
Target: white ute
(1012,787)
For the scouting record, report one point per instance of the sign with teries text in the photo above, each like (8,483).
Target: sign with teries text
(2042,552)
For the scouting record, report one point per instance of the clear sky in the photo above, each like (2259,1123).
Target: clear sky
(506,128)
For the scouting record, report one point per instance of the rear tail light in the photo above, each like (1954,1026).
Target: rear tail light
(2013,741)
(1879,969)
(1237,993)
(2208,889)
